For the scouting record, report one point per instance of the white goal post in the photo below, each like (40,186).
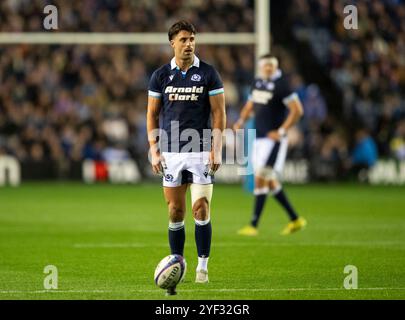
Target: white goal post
(119,38)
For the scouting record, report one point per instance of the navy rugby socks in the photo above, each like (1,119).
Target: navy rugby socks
(280,196)
(177,237)
(260,200)
(203,235)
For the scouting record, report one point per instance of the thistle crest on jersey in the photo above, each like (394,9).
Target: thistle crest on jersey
(195,77)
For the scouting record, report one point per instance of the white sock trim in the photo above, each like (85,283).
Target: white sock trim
(202,222)
(259,191)
(174,226)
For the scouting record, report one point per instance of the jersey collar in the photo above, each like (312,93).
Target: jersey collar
(196,63)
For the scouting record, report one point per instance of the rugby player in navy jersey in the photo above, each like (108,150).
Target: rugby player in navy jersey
(276,109)
(185,101)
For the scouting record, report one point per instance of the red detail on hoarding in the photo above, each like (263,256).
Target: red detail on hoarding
(101,171)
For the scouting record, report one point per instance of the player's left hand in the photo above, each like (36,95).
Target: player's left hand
(214,162)
(274,135)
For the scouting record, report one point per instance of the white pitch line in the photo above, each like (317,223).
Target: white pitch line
(247,244)
(199,290)
(117,245)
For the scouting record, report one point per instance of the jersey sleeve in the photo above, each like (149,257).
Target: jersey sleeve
(286,94)
(215,85)
(155,86)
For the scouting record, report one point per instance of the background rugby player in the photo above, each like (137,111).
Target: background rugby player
(276,110)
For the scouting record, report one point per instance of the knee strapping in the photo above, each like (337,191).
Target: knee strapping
(201,191)
(266,173)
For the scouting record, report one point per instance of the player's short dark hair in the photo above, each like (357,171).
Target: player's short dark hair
(267,56)
(180,26)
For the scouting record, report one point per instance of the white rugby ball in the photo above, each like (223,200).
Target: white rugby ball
(170,271)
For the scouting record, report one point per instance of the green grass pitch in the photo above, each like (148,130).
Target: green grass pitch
(106,241)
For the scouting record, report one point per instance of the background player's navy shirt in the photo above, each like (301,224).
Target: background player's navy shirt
(267,96)
(185,99)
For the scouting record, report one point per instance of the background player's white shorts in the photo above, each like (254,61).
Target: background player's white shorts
(269,153)
(186,167)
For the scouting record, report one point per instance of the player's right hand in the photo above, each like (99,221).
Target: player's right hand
(158,163)
(274,135)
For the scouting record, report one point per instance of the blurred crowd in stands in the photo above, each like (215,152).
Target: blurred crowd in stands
(75,102)
(129,15)
(368,65)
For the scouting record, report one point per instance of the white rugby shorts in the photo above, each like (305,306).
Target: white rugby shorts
(269,153)
(186,167)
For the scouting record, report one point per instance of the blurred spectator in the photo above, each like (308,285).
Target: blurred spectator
(364,154)
(397,143)
(115,153)
(314,105)
(329,162)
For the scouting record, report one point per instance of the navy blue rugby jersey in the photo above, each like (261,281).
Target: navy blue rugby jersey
(270,97)
(185,102)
